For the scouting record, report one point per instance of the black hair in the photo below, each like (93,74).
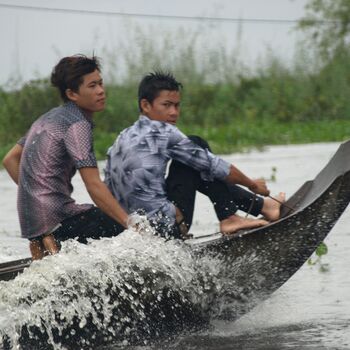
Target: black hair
(153,83)
(69,72)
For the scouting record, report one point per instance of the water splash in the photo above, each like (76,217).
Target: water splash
(110,286)
(130,288)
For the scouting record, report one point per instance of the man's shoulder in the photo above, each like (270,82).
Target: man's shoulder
(145,128)
(156,125)
(59,119)
(125,132)
(72,113)
(66,115)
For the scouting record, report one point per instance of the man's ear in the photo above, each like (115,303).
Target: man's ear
(71,95)
(145,105)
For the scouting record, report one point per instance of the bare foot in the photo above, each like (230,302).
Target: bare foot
(271,208)
(235,223)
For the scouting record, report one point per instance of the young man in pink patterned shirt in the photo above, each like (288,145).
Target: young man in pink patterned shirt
(44,161)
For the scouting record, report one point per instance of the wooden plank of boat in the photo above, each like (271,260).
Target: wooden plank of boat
(11,269)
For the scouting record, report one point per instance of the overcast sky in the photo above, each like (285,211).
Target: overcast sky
(33,40)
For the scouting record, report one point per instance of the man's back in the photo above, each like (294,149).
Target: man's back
(136,167)
(51,152)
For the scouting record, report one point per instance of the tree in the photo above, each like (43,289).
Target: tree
(328,24)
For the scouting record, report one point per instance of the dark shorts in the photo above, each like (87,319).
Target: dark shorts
(167,231)
(183,182)
(92,223)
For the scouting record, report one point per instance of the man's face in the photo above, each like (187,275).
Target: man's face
(91,94)
(164,108)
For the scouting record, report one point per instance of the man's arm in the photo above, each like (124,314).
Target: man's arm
(11,161)
(200,158)
(101,195)
(237,177)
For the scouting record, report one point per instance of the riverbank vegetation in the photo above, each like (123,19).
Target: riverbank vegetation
(232,106)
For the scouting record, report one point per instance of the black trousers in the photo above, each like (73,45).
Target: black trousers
(92,223)
(183,182)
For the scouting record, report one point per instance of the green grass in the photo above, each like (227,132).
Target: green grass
(3,151)
(232,108)
(241,136)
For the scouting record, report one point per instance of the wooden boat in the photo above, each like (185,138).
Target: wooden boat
(281,248)
(306,219)
(253,263)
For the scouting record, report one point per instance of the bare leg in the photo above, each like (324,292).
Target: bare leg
(36,249)
(50,244)
(271,208)
(235,223)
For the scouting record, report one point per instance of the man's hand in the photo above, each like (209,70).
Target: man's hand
(101,195)
(259,187)
(139,223)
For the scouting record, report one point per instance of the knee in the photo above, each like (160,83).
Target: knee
(199,141)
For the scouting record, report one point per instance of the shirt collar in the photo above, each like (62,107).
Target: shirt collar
(76,109)
(143,117)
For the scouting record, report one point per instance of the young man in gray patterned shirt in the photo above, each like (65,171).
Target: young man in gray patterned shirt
(137,162)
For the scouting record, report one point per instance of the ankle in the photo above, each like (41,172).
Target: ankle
(50,244)
(36,249)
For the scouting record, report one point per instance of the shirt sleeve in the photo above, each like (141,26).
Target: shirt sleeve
(22,141)
(79,144)
(210,166)
(107,170)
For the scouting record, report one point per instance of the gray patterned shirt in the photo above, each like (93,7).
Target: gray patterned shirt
(57,144)
(137,162)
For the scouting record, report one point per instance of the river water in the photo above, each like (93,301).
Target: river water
(310,311)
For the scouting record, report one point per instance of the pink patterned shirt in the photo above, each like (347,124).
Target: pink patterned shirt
(57,144)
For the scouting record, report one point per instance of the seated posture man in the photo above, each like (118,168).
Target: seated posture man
(137,162)
(44,161)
